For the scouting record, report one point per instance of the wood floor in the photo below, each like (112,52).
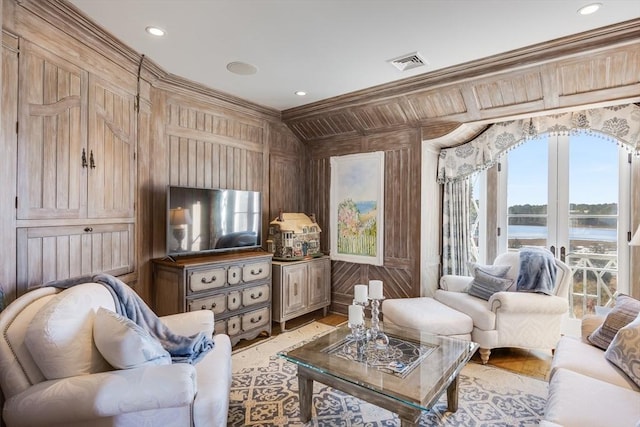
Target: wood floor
(532,363)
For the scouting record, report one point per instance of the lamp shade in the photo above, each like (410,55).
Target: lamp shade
(179,216)
(635,240)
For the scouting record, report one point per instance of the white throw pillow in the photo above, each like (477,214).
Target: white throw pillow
(624,350)
(60,335)
(124,344)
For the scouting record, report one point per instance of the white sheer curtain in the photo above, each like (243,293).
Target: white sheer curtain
(456,232)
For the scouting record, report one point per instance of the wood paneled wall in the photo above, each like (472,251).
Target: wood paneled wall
(401,270)
(185,134)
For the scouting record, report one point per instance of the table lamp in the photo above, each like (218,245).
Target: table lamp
(179,218)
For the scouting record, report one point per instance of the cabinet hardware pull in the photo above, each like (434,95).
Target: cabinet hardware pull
(92,163)
(256,273)
(213,305)
(295,289)
(256,321)
(563,253)
(253,296)
(204,280)
(204,307)
(233,300)
(88,229)
(234,275)
(84,158)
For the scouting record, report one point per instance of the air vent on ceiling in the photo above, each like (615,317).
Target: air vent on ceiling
(407,62)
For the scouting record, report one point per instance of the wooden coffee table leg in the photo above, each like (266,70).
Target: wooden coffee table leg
(452,395)
(305,390)
(410,422)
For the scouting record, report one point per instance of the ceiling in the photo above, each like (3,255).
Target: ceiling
(329,48)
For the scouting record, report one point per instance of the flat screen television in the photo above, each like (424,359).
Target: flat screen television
(201,220)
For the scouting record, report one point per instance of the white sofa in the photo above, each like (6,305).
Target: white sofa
(585,389)
(510,319)
(87,391)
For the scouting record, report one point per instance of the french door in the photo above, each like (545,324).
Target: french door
(570,194)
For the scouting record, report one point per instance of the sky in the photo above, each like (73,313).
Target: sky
(593,171)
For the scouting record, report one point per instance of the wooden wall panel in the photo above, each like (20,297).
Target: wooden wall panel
(438,103)
(8,164)
(401,270)
(587,69)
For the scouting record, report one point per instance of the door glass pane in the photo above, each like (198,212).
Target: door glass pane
(527,193)
(593,222)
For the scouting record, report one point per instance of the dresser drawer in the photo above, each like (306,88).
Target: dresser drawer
(234,300)
(256,271)
(255,295)
(207,279)
(220,327)
(234,275)
(255,319)
(234,325)
(215,303)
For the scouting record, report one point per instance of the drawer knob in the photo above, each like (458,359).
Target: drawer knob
(253,296)
(254,320)
(204,280)
(213,305)
(204,307)
(255,273)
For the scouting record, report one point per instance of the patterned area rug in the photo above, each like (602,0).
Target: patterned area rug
(265,393)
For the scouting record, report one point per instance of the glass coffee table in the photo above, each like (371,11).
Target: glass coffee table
(406,378)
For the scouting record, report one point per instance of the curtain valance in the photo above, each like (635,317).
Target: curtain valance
(620,124)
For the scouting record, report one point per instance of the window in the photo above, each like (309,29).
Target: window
(570,194)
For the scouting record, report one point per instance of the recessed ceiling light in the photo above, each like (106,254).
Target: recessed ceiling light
(155,31)
(242,68)
(300,93)
(589,9)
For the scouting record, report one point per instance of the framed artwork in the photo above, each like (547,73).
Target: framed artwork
(357,208)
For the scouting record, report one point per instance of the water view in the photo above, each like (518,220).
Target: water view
(575,233)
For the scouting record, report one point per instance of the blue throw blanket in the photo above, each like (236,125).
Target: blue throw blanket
(537,271)
(128,304)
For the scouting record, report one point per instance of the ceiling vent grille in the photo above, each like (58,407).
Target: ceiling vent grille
(407,62)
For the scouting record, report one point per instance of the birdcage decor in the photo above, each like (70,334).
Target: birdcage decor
(294,236)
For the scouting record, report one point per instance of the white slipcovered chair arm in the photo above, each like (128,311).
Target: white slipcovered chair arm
(190,322)
(453,283)
(86,397)
(528,302)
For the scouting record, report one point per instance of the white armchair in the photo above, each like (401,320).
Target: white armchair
(508,318)
(73,385)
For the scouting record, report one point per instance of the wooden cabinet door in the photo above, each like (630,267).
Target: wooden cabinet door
(111,150)
(319,282)
(55,253)
(52,124)
(294,288)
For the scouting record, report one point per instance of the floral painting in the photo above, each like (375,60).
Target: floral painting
(357,208)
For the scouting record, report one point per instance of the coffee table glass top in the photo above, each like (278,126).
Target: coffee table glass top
(416,368)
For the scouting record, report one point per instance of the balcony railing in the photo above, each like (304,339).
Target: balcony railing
(595,282)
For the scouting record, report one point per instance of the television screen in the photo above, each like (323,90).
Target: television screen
(209,220)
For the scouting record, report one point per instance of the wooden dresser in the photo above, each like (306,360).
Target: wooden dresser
(236,287)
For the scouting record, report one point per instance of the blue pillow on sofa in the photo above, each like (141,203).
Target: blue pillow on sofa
(485,284)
